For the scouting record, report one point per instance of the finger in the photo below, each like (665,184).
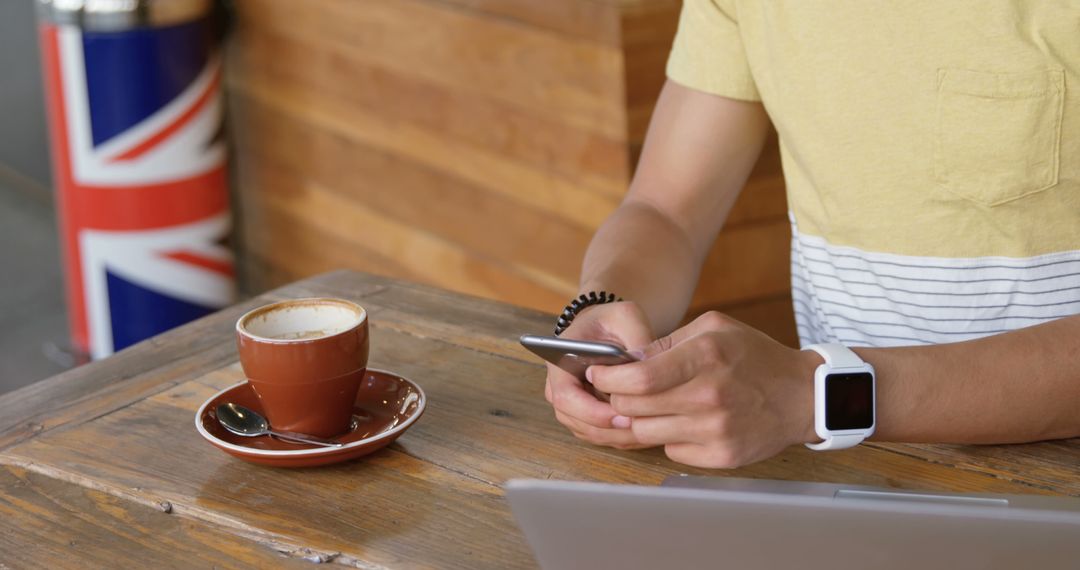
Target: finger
(569,397)
(651,376)
(629,325)
(664,403)
(622,438)
(623,323)
(664,430)
(692,397)
(707,322)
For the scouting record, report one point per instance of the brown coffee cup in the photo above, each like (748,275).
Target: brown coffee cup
(305,360)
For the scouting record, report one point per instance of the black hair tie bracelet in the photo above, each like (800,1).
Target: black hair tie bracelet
(577,305)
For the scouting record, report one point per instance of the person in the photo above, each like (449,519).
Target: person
(931,152)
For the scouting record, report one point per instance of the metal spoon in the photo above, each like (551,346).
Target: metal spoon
(248,423)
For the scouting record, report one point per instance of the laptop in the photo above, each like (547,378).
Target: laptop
(752,524)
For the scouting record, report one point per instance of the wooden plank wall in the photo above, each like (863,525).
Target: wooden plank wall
(471,144)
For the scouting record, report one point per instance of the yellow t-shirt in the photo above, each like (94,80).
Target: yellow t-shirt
(931,151)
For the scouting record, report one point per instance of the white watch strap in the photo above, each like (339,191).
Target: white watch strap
(837,442)
(837,355)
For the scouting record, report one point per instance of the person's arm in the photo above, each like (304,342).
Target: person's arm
(1014,387)
(718,393)
(697,156)
(699,150)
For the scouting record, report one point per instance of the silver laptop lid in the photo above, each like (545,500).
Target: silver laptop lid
(860,492)
(754,524)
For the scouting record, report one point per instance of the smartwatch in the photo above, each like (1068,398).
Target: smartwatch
(845,398)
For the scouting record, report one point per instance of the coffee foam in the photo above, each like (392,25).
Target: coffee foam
(303,320)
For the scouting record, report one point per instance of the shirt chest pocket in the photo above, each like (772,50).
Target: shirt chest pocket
(998,134)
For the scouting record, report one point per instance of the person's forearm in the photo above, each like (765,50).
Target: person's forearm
(1010,388)
(697,156)
(641,255)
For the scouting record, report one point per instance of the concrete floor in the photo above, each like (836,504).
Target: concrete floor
(34,329)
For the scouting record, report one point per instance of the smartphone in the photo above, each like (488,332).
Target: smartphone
(574,356)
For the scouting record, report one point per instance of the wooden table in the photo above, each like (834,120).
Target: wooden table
(102,466)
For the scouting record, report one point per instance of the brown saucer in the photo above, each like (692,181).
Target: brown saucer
(386,405)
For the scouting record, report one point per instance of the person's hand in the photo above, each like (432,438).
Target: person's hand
(576,407)
(715,393)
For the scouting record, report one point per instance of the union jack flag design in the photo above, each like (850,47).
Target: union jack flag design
(139,162)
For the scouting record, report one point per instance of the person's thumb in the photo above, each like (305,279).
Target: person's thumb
(629,325)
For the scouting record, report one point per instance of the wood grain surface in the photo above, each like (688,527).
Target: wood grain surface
(107,455)
(475,145)
(47,522)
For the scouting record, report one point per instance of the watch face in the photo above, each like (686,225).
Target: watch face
(849,401)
